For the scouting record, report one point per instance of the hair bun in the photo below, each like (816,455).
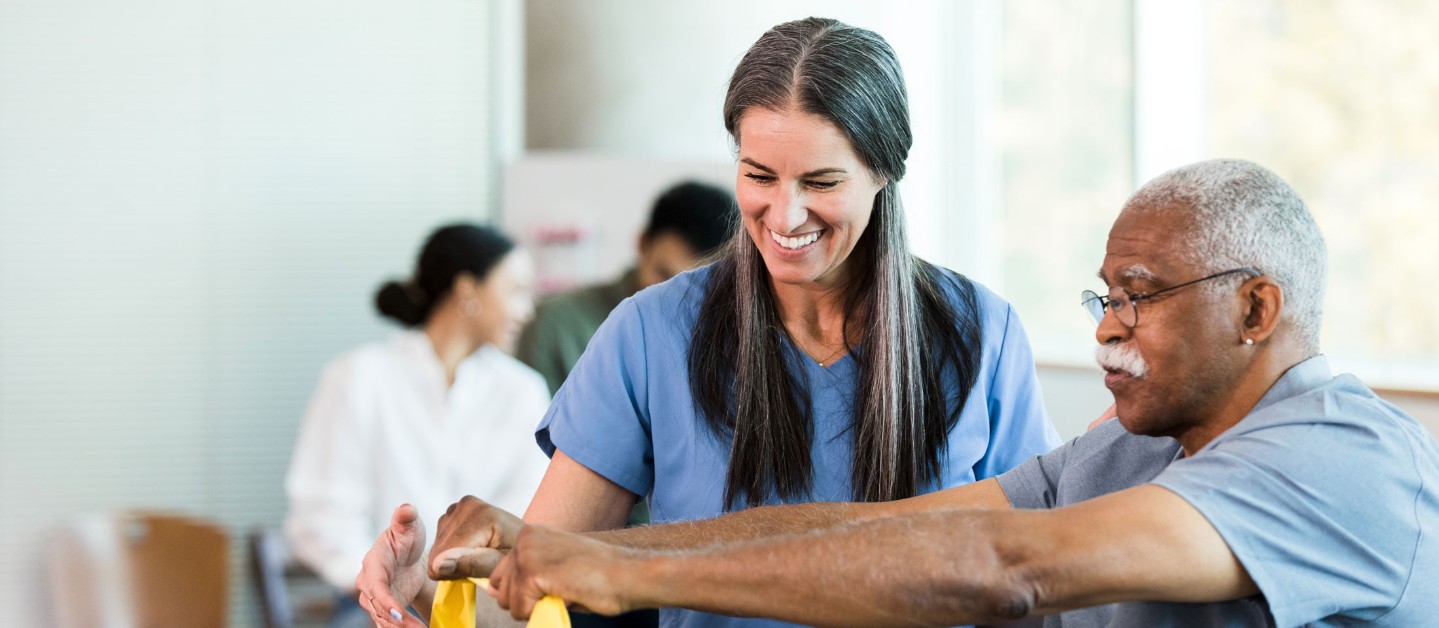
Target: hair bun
(403,302)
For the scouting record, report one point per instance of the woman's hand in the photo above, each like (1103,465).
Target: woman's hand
(471,538)
(587,573)
(392,576)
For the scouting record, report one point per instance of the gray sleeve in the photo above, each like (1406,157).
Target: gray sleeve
(1034,483)
(1098,462)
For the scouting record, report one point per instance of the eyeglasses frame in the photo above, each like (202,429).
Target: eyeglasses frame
(1135,299)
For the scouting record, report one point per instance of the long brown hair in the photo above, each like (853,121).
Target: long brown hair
(914,340)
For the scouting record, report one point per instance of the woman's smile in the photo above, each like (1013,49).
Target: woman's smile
(796,242)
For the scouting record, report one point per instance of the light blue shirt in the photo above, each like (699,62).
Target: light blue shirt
(1328,495)
(626,413)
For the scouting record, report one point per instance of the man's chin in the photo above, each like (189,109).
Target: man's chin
(1130,416)
(1133,427)
(1142,422)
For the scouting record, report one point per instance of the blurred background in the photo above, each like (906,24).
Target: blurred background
(199,197)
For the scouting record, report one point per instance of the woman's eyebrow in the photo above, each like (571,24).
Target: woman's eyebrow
(813,173)
(757,165)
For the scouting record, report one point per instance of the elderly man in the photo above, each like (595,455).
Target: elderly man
(1242,484)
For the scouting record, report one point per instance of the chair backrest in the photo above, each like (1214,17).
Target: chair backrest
(290,594)
(268,556)
(139,570)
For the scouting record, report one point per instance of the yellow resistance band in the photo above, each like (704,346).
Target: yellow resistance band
(455,607)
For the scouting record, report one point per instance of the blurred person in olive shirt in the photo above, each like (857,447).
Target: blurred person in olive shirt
(688,221)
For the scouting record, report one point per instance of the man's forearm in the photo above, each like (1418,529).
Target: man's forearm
(942,568)
(793,519)
(745,525)
(766,521)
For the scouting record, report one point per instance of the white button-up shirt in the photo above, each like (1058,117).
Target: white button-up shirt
(384,429)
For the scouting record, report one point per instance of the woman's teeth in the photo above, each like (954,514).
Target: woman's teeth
(795,242)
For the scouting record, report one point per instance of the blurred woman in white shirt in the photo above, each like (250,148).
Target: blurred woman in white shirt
(439,411)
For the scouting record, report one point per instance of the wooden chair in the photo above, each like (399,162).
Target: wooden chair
(139,570)
(290,595)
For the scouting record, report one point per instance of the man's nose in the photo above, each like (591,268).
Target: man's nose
(1110,330)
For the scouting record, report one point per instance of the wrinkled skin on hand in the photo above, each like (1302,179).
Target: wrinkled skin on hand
(392,573)
(471,538)
(587,573)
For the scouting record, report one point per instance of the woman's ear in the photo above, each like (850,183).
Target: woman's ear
(466,292)
(466,286)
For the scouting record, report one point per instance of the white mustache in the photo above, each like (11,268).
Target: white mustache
(1123,358)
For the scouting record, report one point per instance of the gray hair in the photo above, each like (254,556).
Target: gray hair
(1242,214)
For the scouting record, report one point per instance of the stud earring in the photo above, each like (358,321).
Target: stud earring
(1248,341)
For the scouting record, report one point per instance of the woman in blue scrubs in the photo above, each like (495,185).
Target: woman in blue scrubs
(817,360)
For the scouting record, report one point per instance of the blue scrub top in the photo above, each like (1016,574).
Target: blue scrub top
(626,412)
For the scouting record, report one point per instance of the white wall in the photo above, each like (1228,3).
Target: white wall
(197,199)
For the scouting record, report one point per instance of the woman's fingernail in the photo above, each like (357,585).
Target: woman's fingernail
(395,615)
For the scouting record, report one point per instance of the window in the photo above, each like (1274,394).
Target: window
(1065,140)
(1341,101)
(1336,97)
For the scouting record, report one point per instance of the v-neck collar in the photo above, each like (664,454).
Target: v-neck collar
(841,365)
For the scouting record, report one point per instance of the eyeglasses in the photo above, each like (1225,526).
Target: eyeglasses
(1125,305)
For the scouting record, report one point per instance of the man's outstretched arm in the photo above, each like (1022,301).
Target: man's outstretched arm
(942,567)
(766,521)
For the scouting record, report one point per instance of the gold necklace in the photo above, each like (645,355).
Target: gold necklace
(832,356)
(829,358)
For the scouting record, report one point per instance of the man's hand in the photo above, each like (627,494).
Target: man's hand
(392,575)
(587,573)
(471,538)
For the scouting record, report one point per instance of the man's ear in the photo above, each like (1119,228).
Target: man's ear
(1262,304)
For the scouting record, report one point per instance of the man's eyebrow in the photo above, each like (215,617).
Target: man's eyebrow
(1135,272)
(1138,271)
(813,173)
